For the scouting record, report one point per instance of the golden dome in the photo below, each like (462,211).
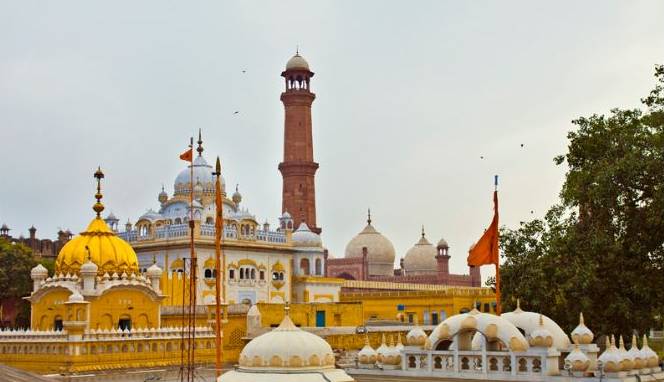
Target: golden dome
(110,253)
(99,244)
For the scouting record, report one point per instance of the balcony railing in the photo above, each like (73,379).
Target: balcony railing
(178,231)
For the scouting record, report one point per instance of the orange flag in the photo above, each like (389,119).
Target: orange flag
(485,251)
(187,155)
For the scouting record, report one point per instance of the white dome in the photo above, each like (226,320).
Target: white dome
(154,271)
(635,354)
(287,347)
(380,251)
(367,355)
(89,267)
(529,323)
(610,358)
(39,271)
(421,258)
(202,173)
(151,215)
(304,237)
(442,243)
(491,326)
(76,297)
(297,62)
(416,337)
(581,333)
(577,359)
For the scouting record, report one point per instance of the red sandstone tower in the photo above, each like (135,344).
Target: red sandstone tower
(298,168)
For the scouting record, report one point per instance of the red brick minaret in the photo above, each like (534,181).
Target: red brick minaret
(298,168)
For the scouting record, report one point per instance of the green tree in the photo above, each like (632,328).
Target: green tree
(16,261)
(600,250)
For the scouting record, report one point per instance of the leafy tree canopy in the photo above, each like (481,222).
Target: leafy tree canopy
(600,250)
(16,261)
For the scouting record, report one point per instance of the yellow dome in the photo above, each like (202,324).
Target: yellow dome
(106,249)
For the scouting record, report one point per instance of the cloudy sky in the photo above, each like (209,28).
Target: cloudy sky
(410,97)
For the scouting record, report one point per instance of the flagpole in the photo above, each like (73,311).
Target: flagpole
(192,267)
(498,302)
(219,228)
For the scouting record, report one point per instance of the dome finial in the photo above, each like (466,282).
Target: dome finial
(369,216)
(422,230)
(297,49)
(154,258)
(98,207)
(287,308)
(200,143)
(518,304)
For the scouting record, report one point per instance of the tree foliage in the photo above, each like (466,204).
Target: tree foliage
(16,261)
(600,250)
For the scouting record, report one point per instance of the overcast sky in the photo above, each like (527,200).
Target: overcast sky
(410,97)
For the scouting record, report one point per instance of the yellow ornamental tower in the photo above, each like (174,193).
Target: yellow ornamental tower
(99,244)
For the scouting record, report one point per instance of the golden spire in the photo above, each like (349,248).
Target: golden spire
(98,207)
(369,216)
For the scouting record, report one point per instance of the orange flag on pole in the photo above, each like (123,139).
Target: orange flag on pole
(485,251)
(187,155)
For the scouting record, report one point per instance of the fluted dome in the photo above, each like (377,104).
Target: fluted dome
(75,297)
(304,237)
(202,173)
(421,258)
(416,337)
(89,268)
(39,271)
(648,356)
(577,360)
(151,215)
(287,347)
(297,62)
(530,321)
(635,353)
(541,337)
(380,251)
(154,271)
(610,358)
(110,253)
(367,355)
(581,333)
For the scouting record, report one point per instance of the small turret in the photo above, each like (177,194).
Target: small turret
(38,274)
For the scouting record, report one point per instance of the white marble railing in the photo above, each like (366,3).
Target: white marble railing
(102,334)
(473,362)
(175,231)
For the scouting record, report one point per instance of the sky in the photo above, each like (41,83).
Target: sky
(418,105)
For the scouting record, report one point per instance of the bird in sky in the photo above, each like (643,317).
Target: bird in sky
(244,71)
(236,112)
(481,156)
(522,145)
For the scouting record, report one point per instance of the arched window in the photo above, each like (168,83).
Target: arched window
(253,274)
(208,273)
(319,267)
(209,220)
(241,273)
(261,275)
(304,266)
(178,221)
(231,274)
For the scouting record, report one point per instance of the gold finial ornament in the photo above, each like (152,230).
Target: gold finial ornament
(369,216)
(422,230)
(98,207)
